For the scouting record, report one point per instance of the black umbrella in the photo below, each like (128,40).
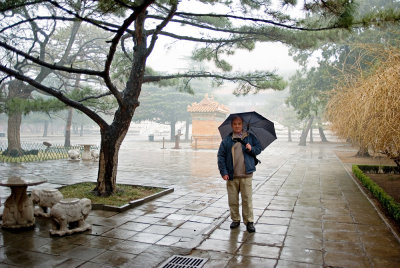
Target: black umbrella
(253,123)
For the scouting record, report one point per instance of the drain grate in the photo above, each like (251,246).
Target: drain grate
(178,261)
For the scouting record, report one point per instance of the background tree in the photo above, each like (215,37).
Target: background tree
(89,45)
(164,106)
(136,26)
(309,87)
(40,35)
(308,97)
(289,119)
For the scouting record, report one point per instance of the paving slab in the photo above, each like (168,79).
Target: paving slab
(309,213)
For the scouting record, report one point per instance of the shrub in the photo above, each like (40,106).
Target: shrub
(31,152)
(379,169)
(392,207)
(13,153)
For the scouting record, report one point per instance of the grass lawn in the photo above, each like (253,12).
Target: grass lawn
(125,193)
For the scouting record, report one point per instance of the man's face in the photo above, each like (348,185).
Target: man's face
(237,125)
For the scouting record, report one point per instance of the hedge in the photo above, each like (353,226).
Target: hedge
(392,207)
(375,169)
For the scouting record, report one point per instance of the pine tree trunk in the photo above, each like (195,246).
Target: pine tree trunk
(67,140)
(173,130)
(303,138)
(322,134)
(363,152)
(13,132)
(397,161)
(187,130)
(111,140)
(289,134)
(113,135)
(46,128)
(311,135)
(15,90)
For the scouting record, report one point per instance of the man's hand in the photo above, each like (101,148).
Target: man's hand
(225,177)
(248,146)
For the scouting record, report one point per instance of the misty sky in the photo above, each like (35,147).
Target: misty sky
(170,55)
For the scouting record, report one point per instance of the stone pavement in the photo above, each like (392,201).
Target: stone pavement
(309,213)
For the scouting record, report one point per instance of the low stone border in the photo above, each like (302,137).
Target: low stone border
(133,203)
(372,200)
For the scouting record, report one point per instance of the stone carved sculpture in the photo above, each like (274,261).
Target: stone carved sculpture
(74,154)
(18,210)
(94,154)
(45,199)
(69,216)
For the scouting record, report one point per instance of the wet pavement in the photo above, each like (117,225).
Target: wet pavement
(308,213)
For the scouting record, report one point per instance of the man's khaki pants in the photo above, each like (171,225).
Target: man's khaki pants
(244,187)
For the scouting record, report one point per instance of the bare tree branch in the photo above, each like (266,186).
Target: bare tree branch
(76,15)
(111,53)
(95,97)
(51,66)
(160,27)
(123,48)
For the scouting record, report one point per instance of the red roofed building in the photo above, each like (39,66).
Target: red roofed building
(207,116)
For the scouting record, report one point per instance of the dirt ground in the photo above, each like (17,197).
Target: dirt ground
(348,156)
(388,182)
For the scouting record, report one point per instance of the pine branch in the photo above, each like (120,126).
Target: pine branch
(270,22)
(255,80)
(16,6)
(59,95)
(56,18)
(207,40)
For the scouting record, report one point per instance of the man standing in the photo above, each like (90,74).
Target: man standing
(236,164)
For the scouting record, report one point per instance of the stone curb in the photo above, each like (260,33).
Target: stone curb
(133,203)
(363,191)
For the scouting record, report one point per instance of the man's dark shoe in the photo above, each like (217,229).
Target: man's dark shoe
(235,224)
(250,227)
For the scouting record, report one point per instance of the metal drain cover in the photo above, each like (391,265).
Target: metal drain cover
(178,261)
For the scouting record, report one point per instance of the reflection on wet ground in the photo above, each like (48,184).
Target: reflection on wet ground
(142,162)
(308,213)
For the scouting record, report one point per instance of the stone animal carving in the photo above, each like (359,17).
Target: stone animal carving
(69,215)
(74,154)
(45,199)
(94,154)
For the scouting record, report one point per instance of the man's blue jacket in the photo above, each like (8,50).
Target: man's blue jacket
(225,161)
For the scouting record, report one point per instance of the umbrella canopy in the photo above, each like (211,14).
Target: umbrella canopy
(254,123)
